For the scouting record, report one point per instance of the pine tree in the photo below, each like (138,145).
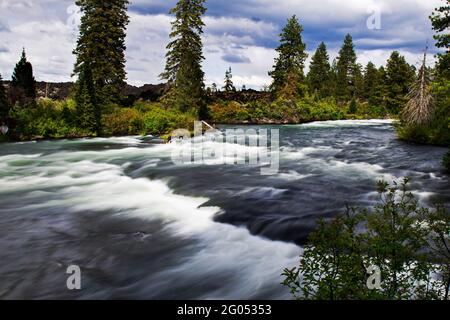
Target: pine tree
(183,70)
(101,46)
(319,76)
(88,111)
(229,85)
(359,82)
(382,90)
(346,71)
(287,74)
(4,103)
(371,85)
(440,20)
(23,83)
(399,77)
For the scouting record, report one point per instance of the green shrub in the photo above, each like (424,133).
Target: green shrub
(159,121)
(45,119)
(406,243)
(126,121)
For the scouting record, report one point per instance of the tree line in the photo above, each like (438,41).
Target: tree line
(101,75)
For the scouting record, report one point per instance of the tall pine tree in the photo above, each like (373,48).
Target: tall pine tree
(23,83)
(101,46)
(287,73)
(319,76)
(399,77)
(88,112)
(440,20)
(346,76)
(371,85)
(229,85)
(184,58)
(4,103)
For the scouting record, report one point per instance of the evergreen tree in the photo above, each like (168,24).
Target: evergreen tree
(440,20)
(183,69)
(382,87)
(88,111)
(399,77)
(287,73)
(371,84)
(23,83)
(346,71)
(101,46)
(319,76)
(4,103)
(229,85)
(359,82)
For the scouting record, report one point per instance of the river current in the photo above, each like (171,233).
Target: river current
(140,226)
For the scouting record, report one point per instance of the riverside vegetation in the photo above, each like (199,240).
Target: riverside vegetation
(408,243)
(341,89)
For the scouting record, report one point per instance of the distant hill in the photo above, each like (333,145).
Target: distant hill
(148,92)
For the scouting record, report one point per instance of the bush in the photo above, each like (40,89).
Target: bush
(124,121)
(229,112)
(408,244)
(159,121)
(45,119)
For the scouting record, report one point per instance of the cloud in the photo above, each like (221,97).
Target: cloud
(238,33)
(232,58)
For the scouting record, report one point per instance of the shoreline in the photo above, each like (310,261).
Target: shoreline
(269,122)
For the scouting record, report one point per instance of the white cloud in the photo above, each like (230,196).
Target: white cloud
(233,39)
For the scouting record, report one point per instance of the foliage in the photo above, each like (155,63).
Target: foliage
(440,22)
(4,103)
(88,113)
(371,84)
(229,112)
(123,121)
(393,236)
(319,76)
(49,119)
(183,69)
(437,131)
(101,46)
(346,69)
(287,73)
(399,77)
(159,121)
(229,85)
(45,119)
(23,83)
(353,107)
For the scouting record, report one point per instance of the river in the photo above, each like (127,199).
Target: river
(141,227)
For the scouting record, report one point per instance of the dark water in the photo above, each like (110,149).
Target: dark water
(141,227)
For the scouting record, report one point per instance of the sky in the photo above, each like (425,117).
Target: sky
(241,34)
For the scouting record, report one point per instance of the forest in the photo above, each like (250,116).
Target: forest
(331,90)
(400,232)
